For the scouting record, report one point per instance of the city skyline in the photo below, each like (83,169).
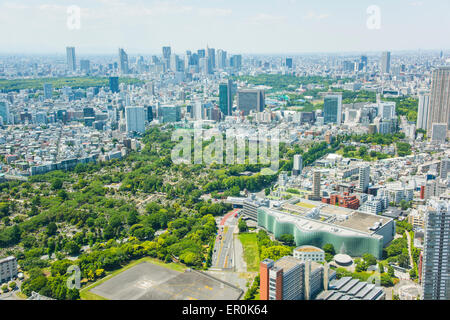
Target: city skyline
(266,27)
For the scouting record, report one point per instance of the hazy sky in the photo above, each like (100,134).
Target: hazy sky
(238,26)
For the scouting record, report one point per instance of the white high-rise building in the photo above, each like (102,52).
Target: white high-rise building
(386,62)
(424,109)
(386,110)
(135,119)
(364,178)
(198,110)
(436,253)
(298,164)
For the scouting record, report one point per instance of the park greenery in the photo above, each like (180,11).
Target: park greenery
(58,83)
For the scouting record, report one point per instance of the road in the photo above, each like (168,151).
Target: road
(223,256)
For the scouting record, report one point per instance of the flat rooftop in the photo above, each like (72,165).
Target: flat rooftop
(352,220)
(308,249)
(287,263)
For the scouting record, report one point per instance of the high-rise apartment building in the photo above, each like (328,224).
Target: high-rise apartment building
(386,62)
(85,66)
(332,109)
(436,251)
(4,111)
(440,98)
(123,61)
(316,185)
(8,269)
(364,178)
(71,59)
(288,63)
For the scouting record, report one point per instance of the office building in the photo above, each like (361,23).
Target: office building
(236,62)
(436,252)
(332,109)
(85,66)
(440,98)
(347,288)
(292,279)
(226,97)
(298,165)
(288,63)
(424,108)
(114,84)
(386,62)
(123,61)
(4,111)
(211,58)
(135,119)
(198,110)
(48,91)
(221,59)
(169,113)
(439,132)
(8,269)
(386,110)
(71,59)
(250,100)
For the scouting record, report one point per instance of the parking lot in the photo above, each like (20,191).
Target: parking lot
(147,281)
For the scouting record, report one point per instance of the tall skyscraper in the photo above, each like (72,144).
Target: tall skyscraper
(386,62)
(332,109)
(288,63)
(221,59)
(198,110)
(436,252)
(316,185)
(48,91)
(114,84)
(71,59)
(364,178)
(123,62)
(211,58)
(364,61)
(226,97)
(440,98)
(167,51)
(85,66)
(298,165)
(424,108)
(135,119)
(251,99)
(4,111)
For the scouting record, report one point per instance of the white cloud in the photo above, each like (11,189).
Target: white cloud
(265,18)
(316,16)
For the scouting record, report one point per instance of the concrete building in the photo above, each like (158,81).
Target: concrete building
(310,253)
(123,62)
(298,165)
(436,253)
(364,179)
(439,132)
(316,186)
(8,269)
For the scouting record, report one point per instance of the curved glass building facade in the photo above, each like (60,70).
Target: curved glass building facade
(351,242)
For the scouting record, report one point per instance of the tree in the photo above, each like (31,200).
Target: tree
(329,248)
(51,229)
(369,259)
(288,239)
(391,271)
(5,288)
(57,184)
(242,225)
(13,285)
(381,267)
(72,248)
